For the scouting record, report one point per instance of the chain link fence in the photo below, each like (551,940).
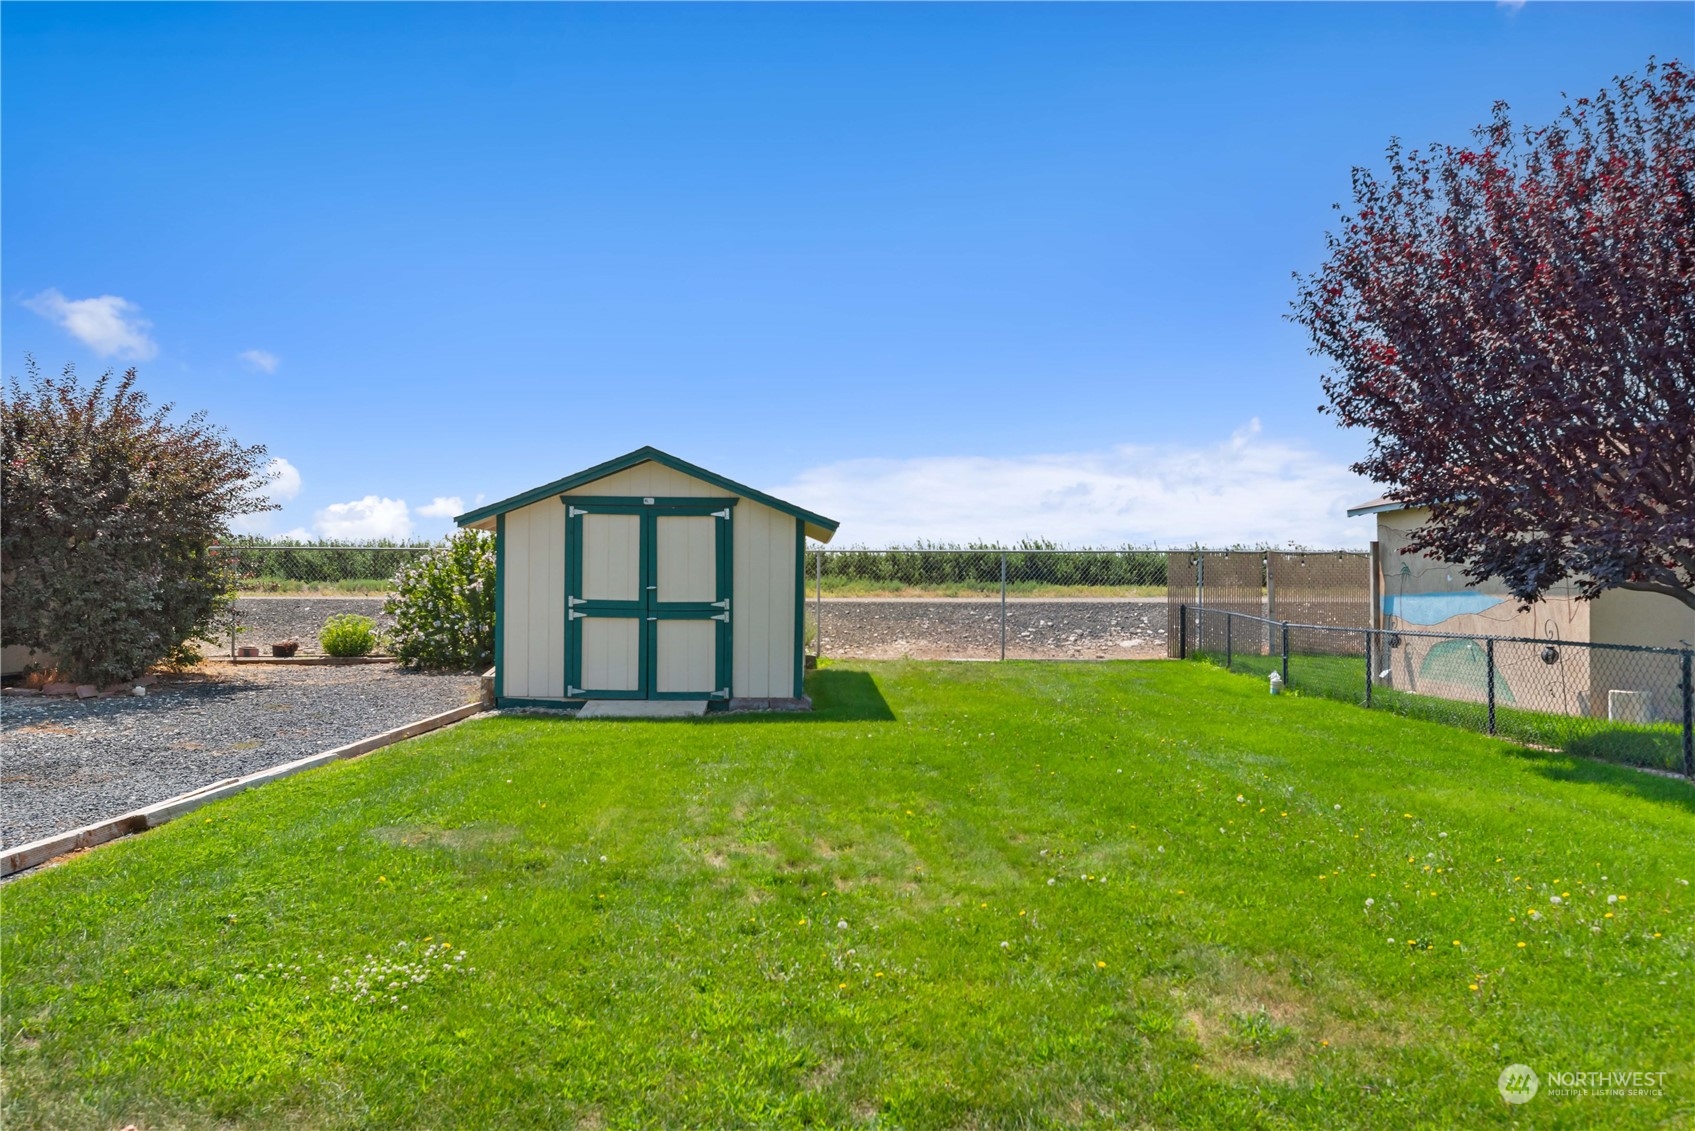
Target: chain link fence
(286,591)
(1040,601)
(324,568)
(1617,702)
(1032,601)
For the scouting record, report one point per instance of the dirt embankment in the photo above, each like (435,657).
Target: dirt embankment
(965,628)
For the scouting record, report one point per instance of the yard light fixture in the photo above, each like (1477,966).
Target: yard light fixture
(1276,683)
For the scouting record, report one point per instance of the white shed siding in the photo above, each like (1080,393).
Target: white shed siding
(533,637)
(650,479)
(762,598)
(763,603)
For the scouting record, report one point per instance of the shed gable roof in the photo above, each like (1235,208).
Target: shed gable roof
(817,526)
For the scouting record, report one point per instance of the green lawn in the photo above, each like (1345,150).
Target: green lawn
(1658,746)
(959,895)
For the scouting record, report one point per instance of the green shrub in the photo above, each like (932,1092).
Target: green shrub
(348,634)
(443,606)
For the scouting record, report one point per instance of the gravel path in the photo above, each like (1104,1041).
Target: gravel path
(269,619)
(67,763)
(1037,628)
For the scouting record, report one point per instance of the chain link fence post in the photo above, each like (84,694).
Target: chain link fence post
(1368,672)
(1285,655)
(1688,713)
(1489,664)
(1003,606)
(1182,632)
(1229,648)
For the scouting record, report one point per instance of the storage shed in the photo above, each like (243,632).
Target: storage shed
(646,577)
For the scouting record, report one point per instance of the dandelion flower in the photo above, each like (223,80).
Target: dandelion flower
(841,924)
(1612,899)
(1100,966)
(1370,902)
(1521,946)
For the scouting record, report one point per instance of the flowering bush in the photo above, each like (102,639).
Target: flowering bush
(443,606)
(348,634)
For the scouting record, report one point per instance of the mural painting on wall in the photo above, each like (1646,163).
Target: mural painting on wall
(1422,595)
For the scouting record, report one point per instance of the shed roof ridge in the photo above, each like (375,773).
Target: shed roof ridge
(647,453)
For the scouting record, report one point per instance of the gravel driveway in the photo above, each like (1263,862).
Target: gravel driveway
(69,762)
(1037,628)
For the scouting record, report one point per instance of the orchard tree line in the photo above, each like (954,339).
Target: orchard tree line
(1512,320)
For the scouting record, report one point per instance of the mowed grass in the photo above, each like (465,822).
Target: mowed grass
(962,895)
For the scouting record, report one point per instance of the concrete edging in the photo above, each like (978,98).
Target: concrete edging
(37,852)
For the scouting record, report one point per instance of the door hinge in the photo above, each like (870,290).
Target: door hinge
(573,614)
(572,602)
(724,604)
(652,618)
(722,693)
(725,513)
(573,512)
(724,616)
(572,692)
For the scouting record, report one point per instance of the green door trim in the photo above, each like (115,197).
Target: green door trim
(647,607)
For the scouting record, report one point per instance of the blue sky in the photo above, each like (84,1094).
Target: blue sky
(941,271)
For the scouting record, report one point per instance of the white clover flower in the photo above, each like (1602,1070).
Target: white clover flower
(1612,899)
(1370,902)
(1553,899)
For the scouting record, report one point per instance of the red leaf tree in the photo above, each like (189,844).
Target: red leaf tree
(1513,322)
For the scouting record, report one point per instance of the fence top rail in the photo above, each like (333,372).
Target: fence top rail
(419,548)
(1070,550)
(1658,650)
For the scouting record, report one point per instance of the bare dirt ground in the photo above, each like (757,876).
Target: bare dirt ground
(270,619)
(1037,628)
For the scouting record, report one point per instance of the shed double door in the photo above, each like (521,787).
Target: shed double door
(647,598)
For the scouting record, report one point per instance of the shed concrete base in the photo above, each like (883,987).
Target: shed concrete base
(642,709)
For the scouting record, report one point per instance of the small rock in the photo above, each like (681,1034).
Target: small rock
(139,689)
(87,691)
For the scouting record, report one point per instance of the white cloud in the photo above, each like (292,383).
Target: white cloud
(109,325)
(298,534)
(285,480)
(264,361)
(1245,490)
(443,506)
(370,517)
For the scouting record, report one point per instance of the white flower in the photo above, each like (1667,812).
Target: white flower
(1050,883)
(841,924)
(1005,945)
(1442,834)
(1553,899)
(1612,899)
(1240,799)
(1370,902)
